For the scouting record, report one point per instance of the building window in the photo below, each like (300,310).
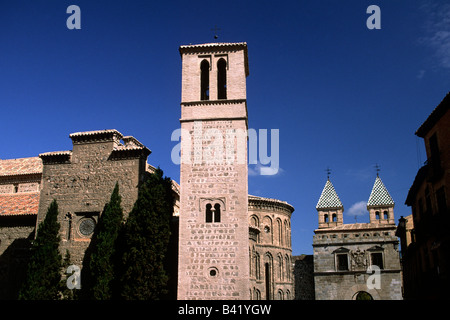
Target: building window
(342,262)
(334,217)
(86,226)
(280,294)
(69,225)
(221,79)
(267,280)
(204,80)
(217,212)
(362,295)
(257,266)
(213,272)
(377,259)
(212,213)
(377,215)
(325,218)
(434,153)
(209,215)
(385,215)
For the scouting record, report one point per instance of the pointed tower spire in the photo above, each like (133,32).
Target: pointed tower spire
(380,204)
(329,207)
(329,198)
(379,195)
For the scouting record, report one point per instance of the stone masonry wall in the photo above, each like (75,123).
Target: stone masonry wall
(334,284)
(82,184)
(221,247)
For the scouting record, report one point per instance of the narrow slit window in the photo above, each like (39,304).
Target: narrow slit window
(217,212)
(221,79)
(204,80)
(209,213)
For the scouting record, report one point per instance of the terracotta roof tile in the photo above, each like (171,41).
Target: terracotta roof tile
(12,167)
(19,204)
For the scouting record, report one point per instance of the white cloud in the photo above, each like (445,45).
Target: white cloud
(420,74)
(260,170)
(358,209)
(437,31)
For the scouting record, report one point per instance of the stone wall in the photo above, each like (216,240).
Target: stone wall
(213,257)
(304,277)
(16,233)
(271,272)
(82,180)
(357,247)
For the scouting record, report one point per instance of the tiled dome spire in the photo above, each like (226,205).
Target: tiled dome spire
(379,195)
(329,198)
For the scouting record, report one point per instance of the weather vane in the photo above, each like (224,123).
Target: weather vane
(215,32)
(328,170)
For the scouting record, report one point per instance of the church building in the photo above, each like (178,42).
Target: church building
(232,245)
(358,261)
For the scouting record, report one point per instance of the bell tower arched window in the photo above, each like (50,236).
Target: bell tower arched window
(221,79)
(217,212)
(204,80)
(209,214)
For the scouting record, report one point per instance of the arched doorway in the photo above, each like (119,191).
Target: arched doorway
(362,295)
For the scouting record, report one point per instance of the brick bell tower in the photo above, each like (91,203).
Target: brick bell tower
(214,231)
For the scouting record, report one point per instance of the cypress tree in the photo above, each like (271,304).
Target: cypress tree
(44,268)
(103,255)
(145,240)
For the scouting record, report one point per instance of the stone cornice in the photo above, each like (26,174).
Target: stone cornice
(217,48)
(56,157)
(212,102)
(260,203)
(111,135)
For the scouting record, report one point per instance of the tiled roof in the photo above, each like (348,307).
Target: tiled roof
(213,45)
(379,195)
(329,198)
(255,199)
(19,204)
(94,133)
(21,166)
(56,153)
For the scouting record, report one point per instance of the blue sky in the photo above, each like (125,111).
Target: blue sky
(341,95)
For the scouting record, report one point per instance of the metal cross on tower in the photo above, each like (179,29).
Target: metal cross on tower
(377,168)
(328,170)
(215,32)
